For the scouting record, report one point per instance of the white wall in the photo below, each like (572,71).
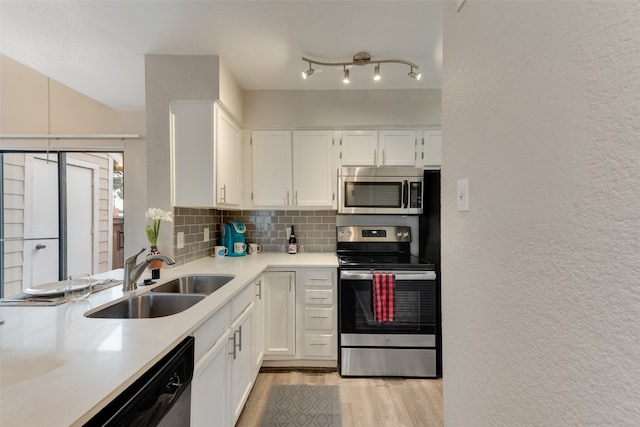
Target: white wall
(541,278)
(341,108)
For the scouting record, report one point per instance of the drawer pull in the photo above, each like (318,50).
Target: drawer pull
(313,316)
(318,343)
(319,298)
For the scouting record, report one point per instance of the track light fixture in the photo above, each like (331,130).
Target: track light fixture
(308,72)
(415,75)
(362,58)
(376,73)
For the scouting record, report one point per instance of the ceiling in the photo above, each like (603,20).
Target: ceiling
(98,47)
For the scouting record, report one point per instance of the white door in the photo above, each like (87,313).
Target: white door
(40,221)
(80,218)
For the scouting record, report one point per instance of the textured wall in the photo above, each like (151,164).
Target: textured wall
(541,278)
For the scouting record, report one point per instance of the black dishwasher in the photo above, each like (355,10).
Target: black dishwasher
(161,397)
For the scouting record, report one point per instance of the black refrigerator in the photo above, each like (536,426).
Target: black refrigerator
(429,241)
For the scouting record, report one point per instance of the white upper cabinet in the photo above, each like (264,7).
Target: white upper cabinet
(432,148)
(359,148)
(397,148)
(293,169)
(192,153)
(206,154)
(228,148)
(271,155)
(313,180)
(379,148)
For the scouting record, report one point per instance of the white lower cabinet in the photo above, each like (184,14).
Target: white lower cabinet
(225,364)
(258,328)
(283,318)
(210,386)
(241,365)
(300,318)
(280,314)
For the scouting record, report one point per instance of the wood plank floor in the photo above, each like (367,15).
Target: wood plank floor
(366,402)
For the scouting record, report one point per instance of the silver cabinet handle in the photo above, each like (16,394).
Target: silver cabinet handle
(287,197)
(259,288)
(223,195)
(296,196)
(233,352)
(315,316)
(375,157)
(239,341)
(40,246)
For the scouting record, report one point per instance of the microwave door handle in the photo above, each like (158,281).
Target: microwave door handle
(405,193)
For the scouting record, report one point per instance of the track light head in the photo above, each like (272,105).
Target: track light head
(345,79)
(415,75)
(307,73)
(376,73)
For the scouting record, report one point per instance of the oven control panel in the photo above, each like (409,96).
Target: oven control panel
(385,233)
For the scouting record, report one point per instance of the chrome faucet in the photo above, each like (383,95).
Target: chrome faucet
(132,272)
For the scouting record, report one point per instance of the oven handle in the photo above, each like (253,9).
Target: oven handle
(405,194)
(399,275)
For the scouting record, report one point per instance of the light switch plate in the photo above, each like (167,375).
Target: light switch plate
(206,234)
(462,195)
(180,239)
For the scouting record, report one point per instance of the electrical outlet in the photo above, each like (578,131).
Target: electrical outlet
(180,239)
(462,195)
(206,234)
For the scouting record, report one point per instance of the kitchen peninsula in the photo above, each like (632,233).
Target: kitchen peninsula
(59,368)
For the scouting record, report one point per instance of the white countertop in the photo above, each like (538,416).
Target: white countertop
(59,368)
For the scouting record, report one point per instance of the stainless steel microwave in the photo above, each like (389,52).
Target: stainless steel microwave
(386,190)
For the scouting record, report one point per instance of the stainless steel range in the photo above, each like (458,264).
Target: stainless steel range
(405,343)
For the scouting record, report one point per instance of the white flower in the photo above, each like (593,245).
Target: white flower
(156,213)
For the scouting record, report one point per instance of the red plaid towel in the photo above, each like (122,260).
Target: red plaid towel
(383,297)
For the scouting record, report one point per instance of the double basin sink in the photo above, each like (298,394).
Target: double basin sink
(169,298)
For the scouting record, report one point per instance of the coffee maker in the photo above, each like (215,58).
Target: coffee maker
(233,238)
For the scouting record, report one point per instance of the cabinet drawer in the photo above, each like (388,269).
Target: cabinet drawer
(318,296)
(318,318)
(318,345)
(207,333)
(242,300)
(319,277)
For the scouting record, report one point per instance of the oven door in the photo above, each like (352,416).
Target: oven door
(415,302)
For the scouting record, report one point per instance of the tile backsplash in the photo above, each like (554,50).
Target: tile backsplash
(315,230)
(192,222)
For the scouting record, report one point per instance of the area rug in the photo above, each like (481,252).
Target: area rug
(303,405)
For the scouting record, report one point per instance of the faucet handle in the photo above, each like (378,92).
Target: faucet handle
(132,259)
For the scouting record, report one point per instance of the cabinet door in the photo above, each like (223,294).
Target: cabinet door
(271,155)
(210,386)
(397,148)
(359,148)
(313,179)
(228,160)
(280,314)
(192,153)
(432,140)
(258,328)
(240,360)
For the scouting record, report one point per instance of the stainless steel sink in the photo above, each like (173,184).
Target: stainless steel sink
(201,284)
(148,305)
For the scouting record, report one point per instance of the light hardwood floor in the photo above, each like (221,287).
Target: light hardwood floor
(366,402)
